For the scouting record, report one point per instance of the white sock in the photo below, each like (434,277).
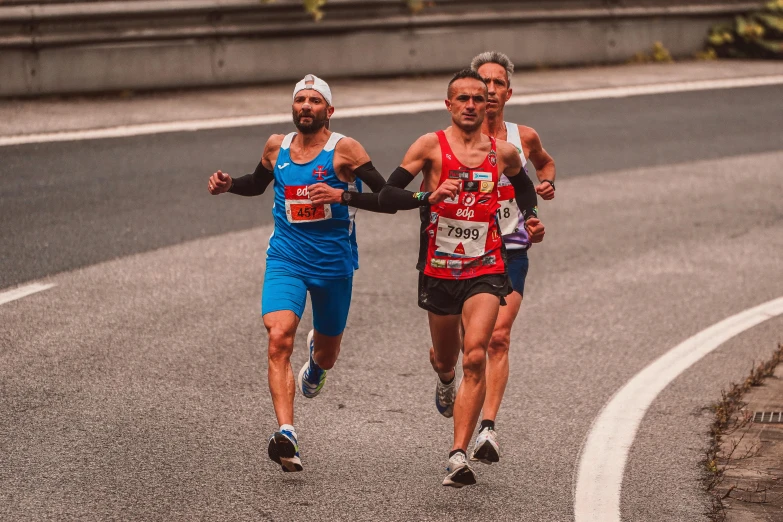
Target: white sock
(288,427)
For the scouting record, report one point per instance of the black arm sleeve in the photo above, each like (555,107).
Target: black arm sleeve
(253,184)
(365,201)
(370,176)
(394,196)
(525,193)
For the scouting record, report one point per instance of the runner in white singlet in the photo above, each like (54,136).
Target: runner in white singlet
(496,69)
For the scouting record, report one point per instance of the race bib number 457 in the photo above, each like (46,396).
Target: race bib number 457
(299,208)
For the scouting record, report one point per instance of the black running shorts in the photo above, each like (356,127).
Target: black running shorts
(446,296)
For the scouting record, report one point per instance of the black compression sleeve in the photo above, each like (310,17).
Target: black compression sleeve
(400,178)
(253,184)
(370,176)
(393,197)
(365,201)
(525,193)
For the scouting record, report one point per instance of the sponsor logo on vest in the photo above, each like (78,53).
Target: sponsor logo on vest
(486,187)
(459,174)
(493,158)
(484,200)
(448,157)
(454,263)
(470,186)
(466,213)
(460,249)
(438,263)
(469,200)
(433,217)
(302,192)
(284,165)
(489,261)
(319,172)
(482,176)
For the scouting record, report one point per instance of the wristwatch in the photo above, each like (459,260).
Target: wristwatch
(550,182)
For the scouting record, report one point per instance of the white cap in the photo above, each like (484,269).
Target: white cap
(318,85)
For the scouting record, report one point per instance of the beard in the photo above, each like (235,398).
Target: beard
(317,123)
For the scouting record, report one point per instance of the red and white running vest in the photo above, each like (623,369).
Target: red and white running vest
(462,237)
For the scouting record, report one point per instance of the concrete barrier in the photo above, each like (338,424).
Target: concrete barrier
(68,47)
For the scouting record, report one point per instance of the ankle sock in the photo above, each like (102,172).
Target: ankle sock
(454,452)
(487,424)
(289,428)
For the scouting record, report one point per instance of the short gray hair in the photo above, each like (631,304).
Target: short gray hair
(493,57)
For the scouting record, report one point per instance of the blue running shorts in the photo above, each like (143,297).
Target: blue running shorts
(331,298)
(516,266)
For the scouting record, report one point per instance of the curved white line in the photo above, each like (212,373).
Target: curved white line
(604,455)
(394,108)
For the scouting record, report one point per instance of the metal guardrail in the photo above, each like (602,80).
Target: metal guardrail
(65,46)
(78,23)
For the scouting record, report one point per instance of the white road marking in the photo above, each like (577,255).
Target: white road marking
(379,110)
(23,291)
(605,452)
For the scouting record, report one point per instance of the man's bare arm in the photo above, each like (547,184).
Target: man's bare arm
(418,158)
(541,160)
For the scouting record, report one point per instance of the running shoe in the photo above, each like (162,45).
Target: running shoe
(486,448)
(444,397)
(311,377)
(460,472)
(284,450)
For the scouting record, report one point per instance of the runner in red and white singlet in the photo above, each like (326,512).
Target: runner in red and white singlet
(462,278)
(463,239)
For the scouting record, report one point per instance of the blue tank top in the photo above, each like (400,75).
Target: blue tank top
(310,241)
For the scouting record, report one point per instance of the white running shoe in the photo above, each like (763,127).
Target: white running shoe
(460,472)
(445,394)
(311,377)
(486,448)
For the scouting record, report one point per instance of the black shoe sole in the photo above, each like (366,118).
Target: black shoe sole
(464,477)
(281,447)
(486,453)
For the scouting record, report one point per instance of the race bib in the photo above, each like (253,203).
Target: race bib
(508,217)
(459,237)
(299,208)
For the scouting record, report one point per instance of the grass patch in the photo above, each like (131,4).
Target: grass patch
(732,420)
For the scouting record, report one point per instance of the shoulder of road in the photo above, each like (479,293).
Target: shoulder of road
(19,117)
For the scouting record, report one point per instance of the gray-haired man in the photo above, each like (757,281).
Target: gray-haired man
(496,69)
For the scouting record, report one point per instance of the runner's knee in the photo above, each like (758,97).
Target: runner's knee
(473,363)
(281,343)
(499,343)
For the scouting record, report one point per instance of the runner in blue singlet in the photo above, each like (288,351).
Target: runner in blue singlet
(317,174)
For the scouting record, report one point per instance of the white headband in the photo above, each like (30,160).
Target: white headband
(318,85)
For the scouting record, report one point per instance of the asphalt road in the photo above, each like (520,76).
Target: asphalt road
(68,205)
(136,388)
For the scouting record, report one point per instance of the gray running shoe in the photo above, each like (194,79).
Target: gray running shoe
(445,394)
(460,472)
(486,448)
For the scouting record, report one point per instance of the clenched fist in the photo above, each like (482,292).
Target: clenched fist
(535,229)
(219,183)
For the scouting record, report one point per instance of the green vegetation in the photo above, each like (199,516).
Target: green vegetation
(755,35)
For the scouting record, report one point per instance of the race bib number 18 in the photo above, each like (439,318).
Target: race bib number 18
(299,208)
(508,215)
